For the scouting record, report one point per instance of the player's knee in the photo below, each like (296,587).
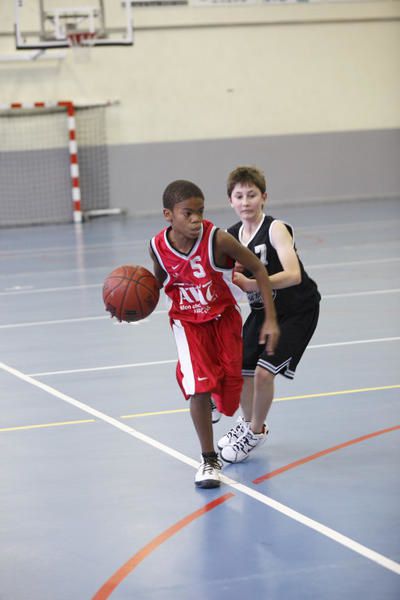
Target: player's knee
(264,376)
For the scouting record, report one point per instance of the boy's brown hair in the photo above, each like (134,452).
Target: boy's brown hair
(247,175)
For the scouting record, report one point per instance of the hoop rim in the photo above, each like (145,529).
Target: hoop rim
(78,39)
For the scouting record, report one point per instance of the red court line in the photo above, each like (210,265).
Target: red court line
(106,590)
(307,459)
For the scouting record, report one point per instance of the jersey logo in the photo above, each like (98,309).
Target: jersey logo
(256,298)
(196,294)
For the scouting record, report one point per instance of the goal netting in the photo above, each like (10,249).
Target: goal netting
(41,179)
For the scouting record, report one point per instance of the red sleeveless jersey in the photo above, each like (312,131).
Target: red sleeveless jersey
(198,290)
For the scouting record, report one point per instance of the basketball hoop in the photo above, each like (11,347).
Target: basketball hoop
(81,42)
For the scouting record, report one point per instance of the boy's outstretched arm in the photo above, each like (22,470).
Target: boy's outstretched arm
(227,245)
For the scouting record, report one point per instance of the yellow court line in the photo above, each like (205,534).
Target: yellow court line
(320,395)
(184,410)
(42,425)
(340,392)
(155,413)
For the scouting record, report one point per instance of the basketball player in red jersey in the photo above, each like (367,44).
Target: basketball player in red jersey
(194,262)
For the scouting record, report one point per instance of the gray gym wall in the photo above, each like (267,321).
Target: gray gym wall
(308,92)
(299,168)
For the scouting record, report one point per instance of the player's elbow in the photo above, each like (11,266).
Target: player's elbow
(160,281)
(296,277)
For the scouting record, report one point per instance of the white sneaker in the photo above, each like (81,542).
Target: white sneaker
(208,474)
(234,433)
(215,414)
(241,449)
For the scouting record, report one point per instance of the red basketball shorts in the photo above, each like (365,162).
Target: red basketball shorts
(210,359)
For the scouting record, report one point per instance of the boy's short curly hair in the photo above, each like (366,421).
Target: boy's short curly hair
(180,190)
(247,175)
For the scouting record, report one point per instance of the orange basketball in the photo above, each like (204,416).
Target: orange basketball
(130,293)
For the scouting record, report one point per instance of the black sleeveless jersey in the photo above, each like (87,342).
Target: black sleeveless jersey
(294,299)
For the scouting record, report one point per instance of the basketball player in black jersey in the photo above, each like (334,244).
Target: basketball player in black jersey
(296,299)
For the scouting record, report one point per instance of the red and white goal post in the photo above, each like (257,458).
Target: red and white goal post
(38,185)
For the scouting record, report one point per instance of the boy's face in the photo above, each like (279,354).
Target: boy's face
(186,217)
(248,201)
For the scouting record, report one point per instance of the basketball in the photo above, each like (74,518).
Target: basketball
(130,293)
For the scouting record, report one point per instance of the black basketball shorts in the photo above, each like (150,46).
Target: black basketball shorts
(296,333)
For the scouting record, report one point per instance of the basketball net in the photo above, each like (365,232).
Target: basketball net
(81,42)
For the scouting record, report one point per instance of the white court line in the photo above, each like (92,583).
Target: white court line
(19,292)
(54,322)
(24,289)
(80,320)
(90,369)
(353,263)
(162,312)
(351,343)
(353,294)
(381,560)
(66,250)
(343,227)
(165,362)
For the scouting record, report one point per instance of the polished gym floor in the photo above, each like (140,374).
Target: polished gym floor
(98,452)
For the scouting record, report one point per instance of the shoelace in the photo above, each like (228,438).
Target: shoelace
(242,443)
(232,432)
(210,465)
(245,440)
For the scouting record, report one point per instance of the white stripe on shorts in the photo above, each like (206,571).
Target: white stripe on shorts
(247,373)
(182,345)
(273,368)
